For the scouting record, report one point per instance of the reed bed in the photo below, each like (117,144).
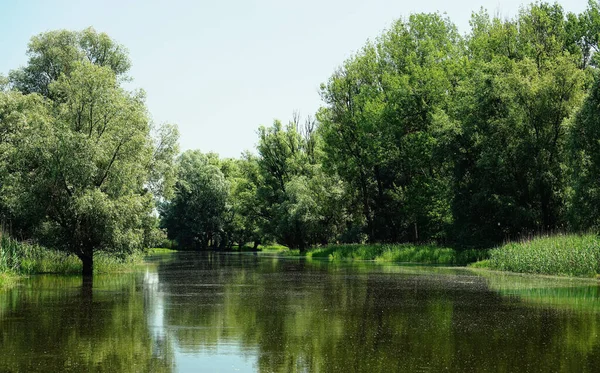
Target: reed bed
(563,254)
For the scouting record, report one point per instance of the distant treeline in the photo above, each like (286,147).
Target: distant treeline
(425,135)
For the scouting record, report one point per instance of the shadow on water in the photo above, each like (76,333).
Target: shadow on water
(231,312)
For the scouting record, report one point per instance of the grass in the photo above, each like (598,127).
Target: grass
(21,258)
(272,247)
(266,248)
(160,250)
(407,253)
(562,255)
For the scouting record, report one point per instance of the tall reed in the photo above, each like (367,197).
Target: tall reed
(562,254)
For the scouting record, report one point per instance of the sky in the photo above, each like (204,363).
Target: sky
(220,69)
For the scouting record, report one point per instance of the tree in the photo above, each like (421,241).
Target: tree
(298,203)
(165,144)
(78,163)
(194,217)
(513,108)
(379,131)
(85,167)
(243,220)
(584,163)
(54,53)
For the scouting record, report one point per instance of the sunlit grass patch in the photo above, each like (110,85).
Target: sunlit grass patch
(274,247)
(160,250)
(110,263)
(408,253)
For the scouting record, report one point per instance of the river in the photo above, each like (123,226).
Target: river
(211,312)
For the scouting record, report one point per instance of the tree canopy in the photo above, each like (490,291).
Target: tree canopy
(79,160)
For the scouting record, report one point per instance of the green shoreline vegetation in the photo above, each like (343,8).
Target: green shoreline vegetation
(399,253)
(558,255)
(425,135)
(563,255)
(20,259)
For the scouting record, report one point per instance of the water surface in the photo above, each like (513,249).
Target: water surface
(211,312)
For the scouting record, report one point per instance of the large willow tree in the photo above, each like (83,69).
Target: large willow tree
(82,163)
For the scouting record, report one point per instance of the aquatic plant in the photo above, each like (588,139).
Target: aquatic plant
(569,255)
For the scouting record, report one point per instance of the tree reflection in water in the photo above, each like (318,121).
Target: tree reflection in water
(211,312)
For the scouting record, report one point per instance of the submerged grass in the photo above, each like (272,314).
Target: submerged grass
(407,253)
(563,255)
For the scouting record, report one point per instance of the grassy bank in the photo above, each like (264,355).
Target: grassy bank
(407,253)
(266,248)
(160,250)
(20,258)
(563,255)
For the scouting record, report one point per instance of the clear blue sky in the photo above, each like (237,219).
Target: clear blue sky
(219,69)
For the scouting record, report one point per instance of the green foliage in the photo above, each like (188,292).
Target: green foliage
(427,135)
(196,214)
(585,163)
(524,82)
(160,250)
(406,253)
(379,128)
(7,280)
(298,202)
(569,255)
(76,166)
(274,247)
(56,53)
(90,158)
(27,259)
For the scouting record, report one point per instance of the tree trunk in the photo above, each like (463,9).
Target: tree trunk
(88,265)
(256,243)
(416,233)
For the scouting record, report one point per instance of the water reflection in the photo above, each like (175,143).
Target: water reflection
(218,312)
(291,315)
(50,324)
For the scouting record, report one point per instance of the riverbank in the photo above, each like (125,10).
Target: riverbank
(22,259)
(399,253)
(570,255)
